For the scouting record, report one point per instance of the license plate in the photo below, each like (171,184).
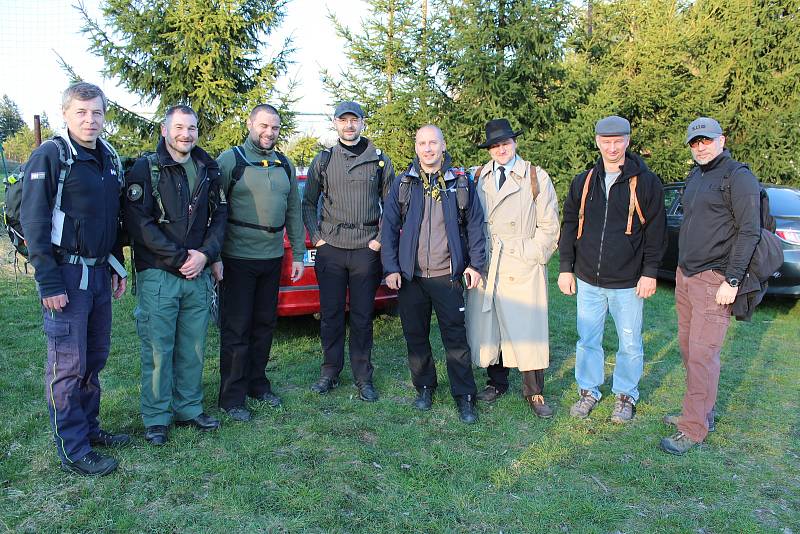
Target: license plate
(310,257)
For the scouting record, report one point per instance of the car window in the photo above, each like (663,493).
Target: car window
(669,199)
(784,202)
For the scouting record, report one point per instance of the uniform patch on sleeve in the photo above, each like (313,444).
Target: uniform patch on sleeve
(37,176)
(134,192)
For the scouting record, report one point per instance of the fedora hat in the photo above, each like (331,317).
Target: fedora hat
(497,130)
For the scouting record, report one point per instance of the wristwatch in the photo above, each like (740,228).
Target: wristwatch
(733,282)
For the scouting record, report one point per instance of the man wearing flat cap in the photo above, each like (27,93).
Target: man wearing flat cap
(613,236)
(352,177)
(720,230)
(507,313)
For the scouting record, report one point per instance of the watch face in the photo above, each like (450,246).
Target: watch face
(733,282)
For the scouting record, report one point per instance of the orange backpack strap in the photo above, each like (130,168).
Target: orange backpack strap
(633,205)
(534,181)
(478,172)
(583,201)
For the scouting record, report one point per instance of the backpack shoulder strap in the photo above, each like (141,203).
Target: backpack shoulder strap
(584,194)
(324,160)
(285,164)
(155,178)
(65,162)
(533,172)
(633,205)
(117,161)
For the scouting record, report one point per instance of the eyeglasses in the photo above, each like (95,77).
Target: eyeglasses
(697,140)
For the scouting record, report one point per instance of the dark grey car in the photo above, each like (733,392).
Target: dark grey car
(784,203)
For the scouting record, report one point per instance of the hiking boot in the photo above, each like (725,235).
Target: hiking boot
(270,398)
(672,420)
(584,406)
(424,398)
(678,443)
(156,434)
(540,407)
(624,409)
(466,409)
(324,384)
(238,413)
(93,464)
(107,439)
(367,393)
(490,394)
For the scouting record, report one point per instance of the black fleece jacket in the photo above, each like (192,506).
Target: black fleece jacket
(604,256)
(712,236)
(196,218)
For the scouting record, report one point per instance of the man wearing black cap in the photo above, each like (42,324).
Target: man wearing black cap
(507,315)
(613,236)
(352,177)
(720,230)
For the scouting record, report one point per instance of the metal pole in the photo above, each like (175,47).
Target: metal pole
(37,130)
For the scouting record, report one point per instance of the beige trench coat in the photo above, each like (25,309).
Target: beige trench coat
(508,311)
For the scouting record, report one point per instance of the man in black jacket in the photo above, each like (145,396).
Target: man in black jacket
(72,234)
(175,215)
(612,238)
(720,230)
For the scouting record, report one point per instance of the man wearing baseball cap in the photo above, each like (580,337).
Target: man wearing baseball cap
(613,236)
(720,230)
(352,177)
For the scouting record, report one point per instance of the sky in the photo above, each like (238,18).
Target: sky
(35,30)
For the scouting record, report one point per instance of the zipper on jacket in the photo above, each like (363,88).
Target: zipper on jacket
(430,226)
(603,233)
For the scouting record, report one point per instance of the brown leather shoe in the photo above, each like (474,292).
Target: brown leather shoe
(489,394)
(624,409)
(540,407)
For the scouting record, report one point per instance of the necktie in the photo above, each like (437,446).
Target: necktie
(502,177)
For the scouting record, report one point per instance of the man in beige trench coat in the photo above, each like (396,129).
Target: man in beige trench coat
(507,314)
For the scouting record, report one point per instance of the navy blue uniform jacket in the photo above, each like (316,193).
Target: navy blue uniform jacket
(90,202)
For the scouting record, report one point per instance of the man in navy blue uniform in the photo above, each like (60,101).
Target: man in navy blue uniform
(74,246)
(432,240)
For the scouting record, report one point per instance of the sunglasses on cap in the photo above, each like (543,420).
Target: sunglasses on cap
(700,139)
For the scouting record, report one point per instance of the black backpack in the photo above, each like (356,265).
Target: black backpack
(768,255)
(461,189)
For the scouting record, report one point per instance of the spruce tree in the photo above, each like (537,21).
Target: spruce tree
(205,54)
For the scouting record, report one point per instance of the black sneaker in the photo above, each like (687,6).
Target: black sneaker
(367,393)
(424,399)
(93,464)
(466,409)
(270,398)
(238,413)
(324,384)
(107,439)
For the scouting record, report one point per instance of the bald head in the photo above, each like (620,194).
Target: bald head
(430,147)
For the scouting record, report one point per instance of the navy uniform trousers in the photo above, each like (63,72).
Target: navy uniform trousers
(78,341)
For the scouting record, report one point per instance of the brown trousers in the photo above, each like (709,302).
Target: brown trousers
(702,324)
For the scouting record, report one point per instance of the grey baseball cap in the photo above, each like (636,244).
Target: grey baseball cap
(348,107)
(703,127)
(612,126)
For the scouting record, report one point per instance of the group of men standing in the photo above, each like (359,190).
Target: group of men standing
(474,251)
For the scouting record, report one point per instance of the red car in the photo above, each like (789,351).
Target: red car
(302,297)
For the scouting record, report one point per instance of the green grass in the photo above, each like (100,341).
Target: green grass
(335,464)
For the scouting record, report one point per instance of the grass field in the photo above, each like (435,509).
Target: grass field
(335,464)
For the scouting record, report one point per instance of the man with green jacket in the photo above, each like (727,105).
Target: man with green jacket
(175,214)
(263,200)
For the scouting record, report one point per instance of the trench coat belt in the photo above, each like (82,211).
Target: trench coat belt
(491,281)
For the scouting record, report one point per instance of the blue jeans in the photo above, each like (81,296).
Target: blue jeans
(626,310)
